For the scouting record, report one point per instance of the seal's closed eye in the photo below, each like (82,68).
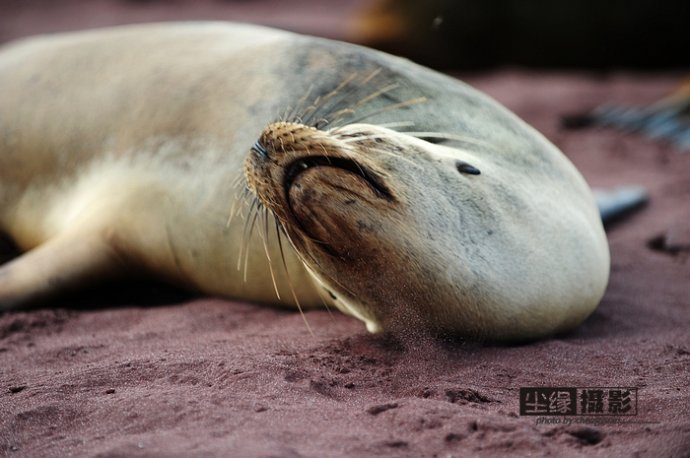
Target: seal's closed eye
(300,165)
(464,167)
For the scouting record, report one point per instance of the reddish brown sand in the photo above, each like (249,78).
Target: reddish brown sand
(209,377)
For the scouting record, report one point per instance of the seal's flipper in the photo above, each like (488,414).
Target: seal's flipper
(55,266)
(616,203)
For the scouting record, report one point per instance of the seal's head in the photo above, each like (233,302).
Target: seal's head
(407,234)
(374,214)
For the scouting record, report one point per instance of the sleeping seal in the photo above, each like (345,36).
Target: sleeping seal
(271,167)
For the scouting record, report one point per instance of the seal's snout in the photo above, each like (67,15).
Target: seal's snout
(285,138)
(321,186)
(285,151)
(282,151)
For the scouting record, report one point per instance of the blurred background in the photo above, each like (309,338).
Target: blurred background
(446,34)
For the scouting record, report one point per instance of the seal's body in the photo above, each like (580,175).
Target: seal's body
(124,149)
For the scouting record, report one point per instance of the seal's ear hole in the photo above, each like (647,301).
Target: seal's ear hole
(464,167)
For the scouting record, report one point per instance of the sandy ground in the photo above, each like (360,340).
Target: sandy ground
(207,377)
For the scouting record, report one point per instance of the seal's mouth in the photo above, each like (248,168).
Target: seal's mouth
(298,166)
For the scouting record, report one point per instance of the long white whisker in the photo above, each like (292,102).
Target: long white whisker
(246,250)
(320,102)
(240,198)
(377,150)
(294,115)
(264,238)
(447,136)
(243,241)
(391,107)
(394,125)
(287,273)
(353,109)
(376,94)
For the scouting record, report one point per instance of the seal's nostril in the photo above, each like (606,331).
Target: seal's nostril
(469,169)
(260,149)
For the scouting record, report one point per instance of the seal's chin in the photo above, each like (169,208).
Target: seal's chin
(333,202)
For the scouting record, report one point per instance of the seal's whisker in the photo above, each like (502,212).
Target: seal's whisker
(264,238)
(246,234)
(231,216)
(325,152)
(244,230)
(339,87)
(391,107)
(293,115)
(334,281)
(330,100)
(398,157)
(286,113)
(280,229)
(447,136)
(330,97)
(354,137)
(375,148)
(287,274)
(309,112)
(297,251)
(235,209)
(371,76)
(322,295)
(321,101)
(238,181)
(377,93)
(280,246)
(341,113)
(351,110)
(395,125)
(321,123)
(305,97)
(246,251)
(331,117)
